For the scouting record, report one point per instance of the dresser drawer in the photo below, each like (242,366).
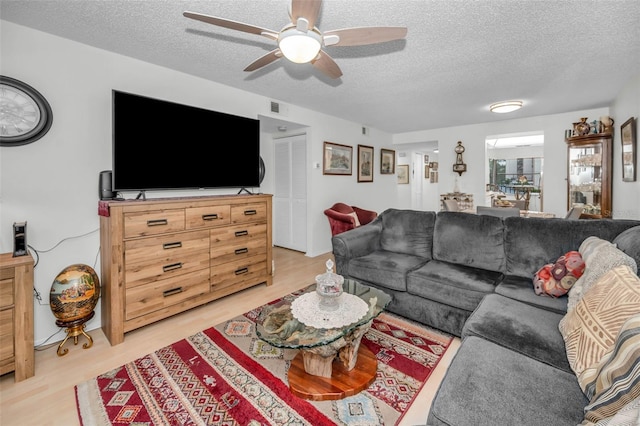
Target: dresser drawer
(6,335)
(6,293)
(153,222)
(232,243)
(205,217)
(246,213)
(151,297)
(227,274)
(156,258)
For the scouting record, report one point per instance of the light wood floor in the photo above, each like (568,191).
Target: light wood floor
(48,398)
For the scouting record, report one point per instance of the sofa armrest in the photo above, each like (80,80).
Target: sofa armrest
(356,243)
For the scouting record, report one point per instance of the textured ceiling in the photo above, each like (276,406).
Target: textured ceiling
(458,57)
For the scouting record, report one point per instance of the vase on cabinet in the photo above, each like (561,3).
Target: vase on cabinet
(581,128)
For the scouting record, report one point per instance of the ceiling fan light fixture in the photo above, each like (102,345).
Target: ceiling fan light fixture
(299,47)
(505,106)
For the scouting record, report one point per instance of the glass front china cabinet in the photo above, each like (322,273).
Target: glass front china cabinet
(589,174)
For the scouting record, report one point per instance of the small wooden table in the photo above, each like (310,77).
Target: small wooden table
(331,363)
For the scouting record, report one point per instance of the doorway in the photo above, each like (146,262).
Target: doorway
(515,169)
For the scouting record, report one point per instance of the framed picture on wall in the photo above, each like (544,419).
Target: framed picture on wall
(337,159)
(426,159)
(628,138)
(365,163)
(403,174)
(426,171)
(387,162)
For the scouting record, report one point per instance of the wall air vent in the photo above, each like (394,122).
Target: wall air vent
(278,108)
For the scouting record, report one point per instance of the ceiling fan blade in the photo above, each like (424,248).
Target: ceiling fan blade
(264,60)
(307,9)
(327,65)
(363,35)
(233,25)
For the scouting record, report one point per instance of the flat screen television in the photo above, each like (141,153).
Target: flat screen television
(162,145)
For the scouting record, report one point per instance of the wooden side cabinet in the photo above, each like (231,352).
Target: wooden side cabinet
(16,316)
(589,179)
(161,257)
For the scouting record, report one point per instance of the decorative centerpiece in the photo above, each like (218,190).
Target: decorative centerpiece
(328,306)
(329,288)
(73,297)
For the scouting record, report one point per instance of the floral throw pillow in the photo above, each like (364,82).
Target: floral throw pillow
(555,279)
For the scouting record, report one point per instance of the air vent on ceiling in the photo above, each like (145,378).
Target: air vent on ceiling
(275,107)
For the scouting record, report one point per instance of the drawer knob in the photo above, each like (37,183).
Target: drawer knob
(213,216)
(250,212)
(242,271)
(242,250)
(157,222)
(168,246)
(241,233)
(172,267)
(171,292)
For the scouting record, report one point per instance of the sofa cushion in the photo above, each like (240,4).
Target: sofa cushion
(455,285)
(385,268)
(470,240)
(490,385)
(520,327)
(590,329)
(519,288)
(629,242)
(616,380)
(407,231)
(532,242)
(599,260)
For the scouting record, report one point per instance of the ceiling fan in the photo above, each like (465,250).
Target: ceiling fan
(301,41)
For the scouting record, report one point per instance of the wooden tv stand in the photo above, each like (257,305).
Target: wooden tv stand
(161,257)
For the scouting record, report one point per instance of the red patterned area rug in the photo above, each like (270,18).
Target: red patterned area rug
(225,375)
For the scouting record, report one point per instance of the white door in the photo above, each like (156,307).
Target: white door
(416,180)
(290,195)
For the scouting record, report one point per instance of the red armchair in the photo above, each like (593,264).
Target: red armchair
(343,217)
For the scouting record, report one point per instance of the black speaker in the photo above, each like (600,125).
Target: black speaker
(19,239)
(261,170)
(105,191)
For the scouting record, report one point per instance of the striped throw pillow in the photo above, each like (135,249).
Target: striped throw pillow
(590,330)
(616,381)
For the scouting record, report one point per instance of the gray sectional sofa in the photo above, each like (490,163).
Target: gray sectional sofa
(471,276)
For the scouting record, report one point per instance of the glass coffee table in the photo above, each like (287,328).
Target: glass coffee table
(331,363)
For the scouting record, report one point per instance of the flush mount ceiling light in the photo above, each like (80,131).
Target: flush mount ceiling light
(505,106)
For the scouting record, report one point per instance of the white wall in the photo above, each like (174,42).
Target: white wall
(53,183)
(626,195)
(555,156)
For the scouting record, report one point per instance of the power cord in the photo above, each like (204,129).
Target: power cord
(36,255)
(41,347)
